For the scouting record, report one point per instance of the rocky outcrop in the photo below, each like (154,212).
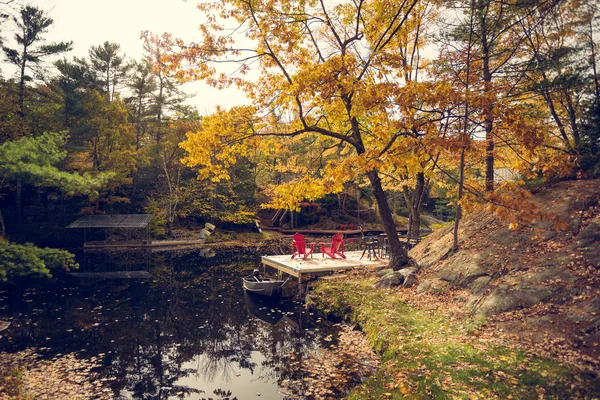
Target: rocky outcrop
(390,278)
(497,270)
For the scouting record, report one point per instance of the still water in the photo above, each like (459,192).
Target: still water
(188,332)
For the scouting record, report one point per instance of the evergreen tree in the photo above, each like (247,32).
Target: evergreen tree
(33,161)
(110,66)
(31,23)
(142,84)
(73,85)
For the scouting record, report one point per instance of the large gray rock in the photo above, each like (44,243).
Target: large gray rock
(412,263)
(390,280)
(587,242)
(434,285)
(479,284)
(462,271)
(509,297)
(410,281)
(385,272)
(408,271)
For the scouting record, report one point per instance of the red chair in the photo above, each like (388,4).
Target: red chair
(351,226)
(299,247)
(342,227)
(337,247)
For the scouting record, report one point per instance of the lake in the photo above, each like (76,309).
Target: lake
(188,332)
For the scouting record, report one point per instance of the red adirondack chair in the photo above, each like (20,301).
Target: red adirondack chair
(299,247)
(337,247)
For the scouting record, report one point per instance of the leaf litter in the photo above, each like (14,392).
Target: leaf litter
(63,377)
(328,372)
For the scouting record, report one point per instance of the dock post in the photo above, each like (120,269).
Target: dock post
(300,292)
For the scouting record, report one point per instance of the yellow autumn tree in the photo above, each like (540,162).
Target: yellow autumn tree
(322,70)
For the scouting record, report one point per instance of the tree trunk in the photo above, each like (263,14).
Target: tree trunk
(275,219)
(592,45)
(573,120)
(398,254)
(108,81)
(414,228)
(414,199)
(458,215)
(21,94)
(159,112)
(358,204)
(22,83)
(545,91)
(488,110)
(282,218)
(19,203)
(465,132)
(489,151)
(2,226)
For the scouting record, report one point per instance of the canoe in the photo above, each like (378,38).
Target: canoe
(4,325)
(262,286)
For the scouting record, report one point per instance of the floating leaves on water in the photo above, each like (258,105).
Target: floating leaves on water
(63,377)
(327,373)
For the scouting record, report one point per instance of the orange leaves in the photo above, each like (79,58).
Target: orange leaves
(514,205)
(523,123)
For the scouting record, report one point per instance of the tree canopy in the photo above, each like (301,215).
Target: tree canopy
(329,73)
(34,161)
(382,107)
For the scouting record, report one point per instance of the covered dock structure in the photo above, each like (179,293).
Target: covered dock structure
(130,225)
(123,231)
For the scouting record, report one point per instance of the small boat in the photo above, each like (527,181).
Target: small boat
(264,286)
(4,325)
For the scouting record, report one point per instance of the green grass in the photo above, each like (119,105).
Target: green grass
(426,355)
(11,383)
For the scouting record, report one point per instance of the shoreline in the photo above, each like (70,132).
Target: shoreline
(431,348)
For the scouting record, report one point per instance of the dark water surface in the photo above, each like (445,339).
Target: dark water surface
(188,332)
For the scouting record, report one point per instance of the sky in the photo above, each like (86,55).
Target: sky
(92,22)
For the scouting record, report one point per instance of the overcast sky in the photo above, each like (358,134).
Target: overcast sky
(92,22)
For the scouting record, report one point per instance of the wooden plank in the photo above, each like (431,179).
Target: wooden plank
(280,266)
(145,243)
(112,275)
(327,232)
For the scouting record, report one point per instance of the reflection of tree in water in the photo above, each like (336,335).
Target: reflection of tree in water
(193,314)
(191,321)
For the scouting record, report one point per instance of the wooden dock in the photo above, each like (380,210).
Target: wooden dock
(328,232)
(171,243)
(317,265)
(112,275)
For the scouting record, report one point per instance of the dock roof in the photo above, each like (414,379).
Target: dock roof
(113,221)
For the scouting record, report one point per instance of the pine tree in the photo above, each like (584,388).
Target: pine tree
(32,23)
(110,66)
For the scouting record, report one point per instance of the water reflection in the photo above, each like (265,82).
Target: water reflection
(188,332)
